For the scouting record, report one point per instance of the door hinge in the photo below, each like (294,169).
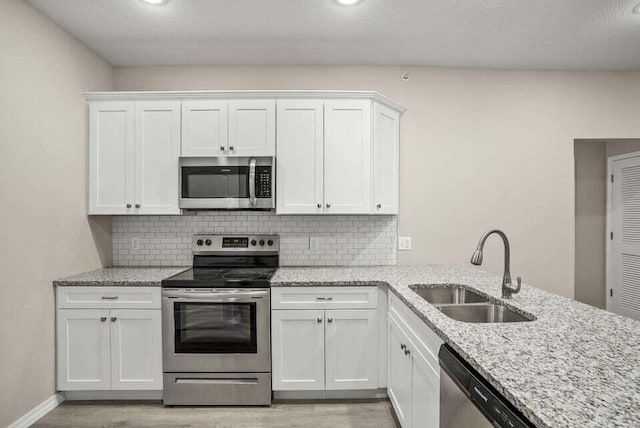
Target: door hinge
(612,178)
(611,292)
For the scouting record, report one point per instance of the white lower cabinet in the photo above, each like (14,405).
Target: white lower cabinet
(103,347)
(413,377)
(298,350)
(323,348)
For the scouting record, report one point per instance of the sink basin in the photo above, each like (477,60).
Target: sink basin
(448,294)
(481,313)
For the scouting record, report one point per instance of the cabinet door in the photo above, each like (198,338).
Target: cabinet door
(83,349)
(111,135)
(400,374)
(386,159)
(136,349)
(425,404)
(300,157)
(351,349)
(204,128)
(252,128)
(298,350)
(157,146)
(347,157)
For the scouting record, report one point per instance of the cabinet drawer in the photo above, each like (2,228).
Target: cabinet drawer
(418,331)
(324,298)
(108,297)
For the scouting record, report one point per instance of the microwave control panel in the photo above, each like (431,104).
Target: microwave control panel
(263,182)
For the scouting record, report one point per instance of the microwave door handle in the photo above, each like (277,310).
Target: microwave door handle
(252,181)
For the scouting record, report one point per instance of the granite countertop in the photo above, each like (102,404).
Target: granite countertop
(574,366)
(121,276)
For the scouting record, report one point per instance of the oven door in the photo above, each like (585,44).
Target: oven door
(216,330)
(226,183)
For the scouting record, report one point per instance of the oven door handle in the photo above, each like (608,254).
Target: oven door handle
(252,182)
(224,296)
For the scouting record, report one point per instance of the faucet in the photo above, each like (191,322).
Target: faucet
(476,259)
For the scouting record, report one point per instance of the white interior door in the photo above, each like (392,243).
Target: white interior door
(136,349)
(351,351)
(299,157)
(623,258)
(111,135)
(252,128)
(347,157)
(204,128)
(83,358)
(157,152)
(298,349)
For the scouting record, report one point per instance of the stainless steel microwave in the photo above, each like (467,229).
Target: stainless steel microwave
(227,183)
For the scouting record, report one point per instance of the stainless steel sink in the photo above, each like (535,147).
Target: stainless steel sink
(448,294)
(482,313)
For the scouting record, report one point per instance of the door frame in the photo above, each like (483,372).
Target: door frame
(609,227)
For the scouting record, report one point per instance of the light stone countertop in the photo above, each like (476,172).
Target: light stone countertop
(121,276)
(574,366)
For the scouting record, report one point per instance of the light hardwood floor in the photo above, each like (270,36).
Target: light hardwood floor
(370,414)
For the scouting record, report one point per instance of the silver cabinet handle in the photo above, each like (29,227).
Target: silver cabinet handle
(328,205)
(324,298)
(137,205)
(109,297)
(319,205)
(222,148)
(128,205)
(113,319)
(319,320)
(403,346)
(329,319)
(379,205)
(252,181)
(407,352)
(231,148)
(103,319)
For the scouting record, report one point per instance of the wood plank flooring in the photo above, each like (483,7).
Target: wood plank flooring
(369,414)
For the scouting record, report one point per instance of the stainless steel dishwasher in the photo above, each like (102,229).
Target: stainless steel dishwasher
(467,400)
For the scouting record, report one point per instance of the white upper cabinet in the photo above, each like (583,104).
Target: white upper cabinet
(300,153)
(156,160)
(386,159)
(111,152)
(133,157)
(204,128)
(252,128)
(347,156)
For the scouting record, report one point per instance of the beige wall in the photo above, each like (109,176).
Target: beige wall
(480,149)
(591,194)
(44,230)
(591,215)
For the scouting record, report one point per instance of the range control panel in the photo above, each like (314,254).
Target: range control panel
(263,182)
(211,244)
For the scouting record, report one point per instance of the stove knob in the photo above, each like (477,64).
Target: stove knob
(262,242)
(208,242)
(269,242)
(199,242)
(253,242)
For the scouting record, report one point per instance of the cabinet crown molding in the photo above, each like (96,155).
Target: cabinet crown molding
(186,95)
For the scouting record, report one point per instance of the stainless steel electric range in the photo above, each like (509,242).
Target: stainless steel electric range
(216,323)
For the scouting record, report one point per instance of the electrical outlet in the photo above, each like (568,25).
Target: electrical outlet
(314,242)
(135,243)
(404,243)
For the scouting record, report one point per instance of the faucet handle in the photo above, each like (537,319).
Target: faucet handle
(519,281)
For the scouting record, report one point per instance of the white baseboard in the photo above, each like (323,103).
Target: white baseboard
(356,394)
(112,395)
(33,415)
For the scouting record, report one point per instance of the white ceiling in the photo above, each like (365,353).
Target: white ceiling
(531,34)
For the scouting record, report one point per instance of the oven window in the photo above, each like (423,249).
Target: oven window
(215,182)
(215,328)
